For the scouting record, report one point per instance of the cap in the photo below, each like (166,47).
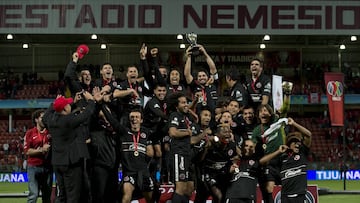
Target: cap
(60,103)
(82,50)
(293,137)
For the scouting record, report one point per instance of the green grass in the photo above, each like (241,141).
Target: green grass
(337,184)
(13,187)
(333,185)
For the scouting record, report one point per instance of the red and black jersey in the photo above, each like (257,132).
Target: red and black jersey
(155,114)
(180,145)
(238,92)
(133,150)
(209,95)
(218,158)
(243,182)
(175,88)
(256,89)
(293,172)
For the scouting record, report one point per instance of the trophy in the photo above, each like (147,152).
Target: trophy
(287,87)
(192,39)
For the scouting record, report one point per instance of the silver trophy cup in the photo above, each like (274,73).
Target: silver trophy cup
(192,40)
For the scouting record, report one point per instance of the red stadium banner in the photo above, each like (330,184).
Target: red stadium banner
(334,83)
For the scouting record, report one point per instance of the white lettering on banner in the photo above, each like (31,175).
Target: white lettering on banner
(173,17)
(336,175)
(14,177)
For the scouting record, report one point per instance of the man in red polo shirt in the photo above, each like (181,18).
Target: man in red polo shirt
(37,148)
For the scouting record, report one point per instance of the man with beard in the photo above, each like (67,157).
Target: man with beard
(237,90)
(216,160)
(293,163)
(209,94)
(258,84)
(37,149)
(245,170)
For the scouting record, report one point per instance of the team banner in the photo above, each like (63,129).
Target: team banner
(277,91)
(334,83)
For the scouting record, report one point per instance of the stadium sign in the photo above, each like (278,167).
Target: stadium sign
(333,175)
(227,17)
(13,177)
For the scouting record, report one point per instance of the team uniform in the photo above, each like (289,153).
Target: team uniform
(155,119)
(261,86)
(134,159)
(293,176)
(180,149)
(242,187)
(216,165)
(209,95)
(245,129)
(239,93)
(130,101)
(236,129)
(170,89)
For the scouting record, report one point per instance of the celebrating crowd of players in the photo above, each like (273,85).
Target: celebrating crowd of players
(217,145)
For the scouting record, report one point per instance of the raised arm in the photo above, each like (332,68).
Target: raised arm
(209,61)
(265,159)
(70,75)
(112,120)
(187,69)
(304,131)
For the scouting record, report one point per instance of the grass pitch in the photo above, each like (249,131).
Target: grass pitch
(333,185)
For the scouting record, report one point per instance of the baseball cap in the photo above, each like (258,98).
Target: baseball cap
(60,103)
(82,50)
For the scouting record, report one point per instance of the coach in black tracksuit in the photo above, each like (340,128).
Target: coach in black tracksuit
(67,151)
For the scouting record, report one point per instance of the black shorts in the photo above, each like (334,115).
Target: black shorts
(143,182)
(271,172)
(217,179)
(180,168)
(156,137)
